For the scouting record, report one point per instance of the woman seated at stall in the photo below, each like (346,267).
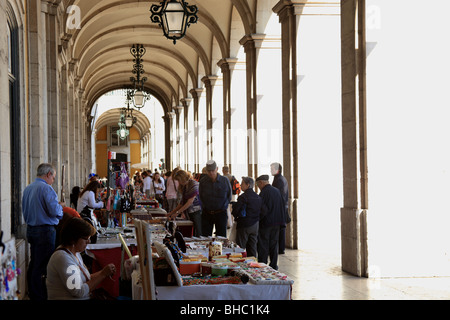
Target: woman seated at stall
(190,202)
(67,276)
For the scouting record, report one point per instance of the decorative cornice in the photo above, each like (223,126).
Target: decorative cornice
(210,80)
(307,8)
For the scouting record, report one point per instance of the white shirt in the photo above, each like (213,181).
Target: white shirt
(67,277)
(147,183)
(154,185)
(88,199)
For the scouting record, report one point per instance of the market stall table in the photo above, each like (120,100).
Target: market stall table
(243,277)
(109,250)
(216,292)
(157,215)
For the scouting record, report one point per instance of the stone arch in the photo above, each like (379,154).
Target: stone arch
(160,96)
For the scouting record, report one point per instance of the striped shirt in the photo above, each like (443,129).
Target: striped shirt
(190,190)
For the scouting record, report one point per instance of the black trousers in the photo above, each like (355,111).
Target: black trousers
(218,220)
(268,239)
(282,240)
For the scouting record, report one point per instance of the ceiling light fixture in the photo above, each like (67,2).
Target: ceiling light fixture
(174,17)
(123,132)
(139,95)
(127,113)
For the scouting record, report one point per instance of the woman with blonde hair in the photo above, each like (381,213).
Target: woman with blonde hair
(190,201)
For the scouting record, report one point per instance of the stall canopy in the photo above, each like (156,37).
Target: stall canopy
(141,165)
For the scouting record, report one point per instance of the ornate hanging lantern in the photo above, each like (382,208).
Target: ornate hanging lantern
(174,17)
(139,95)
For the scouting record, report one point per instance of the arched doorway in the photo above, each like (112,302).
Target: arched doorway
(145,144)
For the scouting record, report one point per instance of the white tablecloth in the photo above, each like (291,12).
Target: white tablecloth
(109,243)
(216,292)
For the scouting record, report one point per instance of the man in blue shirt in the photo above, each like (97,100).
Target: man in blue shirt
(215,196)
(42,212)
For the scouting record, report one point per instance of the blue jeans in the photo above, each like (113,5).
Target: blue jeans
(196,218)
(42,241)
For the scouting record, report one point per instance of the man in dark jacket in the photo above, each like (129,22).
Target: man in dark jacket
(246,212)
(215,196)
(272,217)
(281,184)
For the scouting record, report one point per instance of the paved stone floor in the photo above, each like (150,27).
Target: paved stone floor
(318,276)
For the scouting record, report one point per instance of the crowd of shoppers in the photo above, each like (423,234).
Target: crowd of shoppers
(57,234)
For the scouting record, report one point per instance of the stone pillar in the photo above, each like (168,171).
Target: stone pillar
(186,103)
(168,121)
(79,142)
(84,146)
(36,115)
(196,94)
(178,113)
(71,133)
(252,146)
(224,65)
(354,137)
(285,11)
(64,139)
(209,83)
(238,122)
(53,104)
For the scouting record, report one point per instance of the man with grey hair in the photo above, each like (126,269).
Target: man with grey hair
(246,212)
(280,182)
(42,212)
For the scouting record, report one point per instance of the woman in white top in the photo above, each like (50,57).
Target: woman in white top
(146,182)
(88,196)
(157,187)
(67,276)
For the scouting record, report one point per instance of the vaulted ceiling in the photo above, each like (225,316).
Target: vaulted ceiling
(99,46)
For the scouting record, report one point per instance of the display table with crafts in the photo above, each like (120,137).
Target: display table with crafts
(211,270)
(159,216)
(108,249)
(151,206)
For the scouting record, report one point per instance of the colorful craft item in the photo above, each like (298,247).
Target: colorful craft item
(219,270)
(208,280)
(188,266)
(215,249)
